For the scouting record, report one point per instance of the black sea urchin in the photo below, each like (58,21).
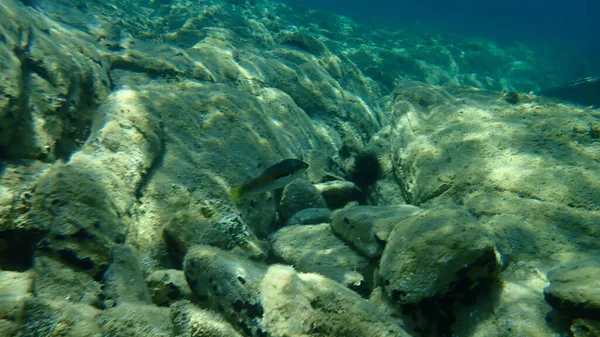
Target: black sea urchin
(366,170)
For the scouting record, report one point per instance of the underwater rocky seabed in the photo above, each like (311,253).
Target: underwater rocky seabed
(124,124)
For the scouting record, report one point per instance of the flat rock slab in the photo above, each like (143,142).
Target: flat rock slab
(429,253)
(315,249)
(366,228)
(457,139)
(310,216)
(575,289)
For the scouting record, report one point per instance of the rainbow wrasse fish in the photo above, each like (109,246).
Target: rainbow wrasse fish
(273,177)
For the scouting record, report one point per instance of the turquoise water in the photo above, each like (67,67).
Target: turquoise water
(563,24)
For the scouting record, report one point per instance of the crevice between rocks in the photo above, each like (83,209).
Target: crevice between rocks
(401,177)
(23,118)
(17,249)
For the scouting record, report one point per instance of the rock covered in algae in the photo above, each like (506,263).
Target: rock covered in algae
(135,320)
(168,286)
(278,301)
(123,279)
(15,289)
(199,225)
(191,321)
(337,193)
(298,195)
(534,150)
(310,216)
(585,328)
(51,317)
(56,279)
(228,281)
(366,228)
(426,255)
(315,249)
(205,94)
(58,72)
(574,288)
(80,204)
(312,305)
(511,305)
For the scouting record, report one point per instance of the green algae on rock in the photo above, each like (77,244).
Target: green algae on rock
(53,79)
(367,228)
(278,301)
(124,124)
(190,320)
(315,249)
(427,255)
(299,195)
(313,305)
(168,286)
(573,288)
(15,291)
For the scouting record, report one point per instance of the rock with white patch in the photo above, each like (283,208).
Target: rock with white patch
(315,249)
(575,289)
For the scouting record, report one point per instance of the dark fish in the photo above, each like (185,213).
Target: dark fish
(274,177)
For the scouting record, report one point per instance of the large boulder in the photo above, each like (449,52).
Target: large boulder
(429,254)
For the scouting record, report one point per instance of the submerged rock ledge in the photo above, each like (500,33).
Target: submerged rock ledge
(124,125)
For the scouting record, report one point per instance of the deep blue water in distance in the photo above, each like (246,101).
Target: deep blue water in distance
(570,25)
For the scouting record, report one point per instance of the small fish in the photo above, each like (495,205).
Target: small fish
(274,177)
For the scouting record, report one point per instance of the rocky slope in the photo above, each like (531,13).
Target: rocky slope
(124,124)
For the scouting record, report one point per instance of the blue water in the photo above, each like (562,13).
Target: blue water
(571,26)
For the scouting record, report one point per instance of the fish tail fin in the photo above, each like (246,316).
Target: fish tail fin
(236,193)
